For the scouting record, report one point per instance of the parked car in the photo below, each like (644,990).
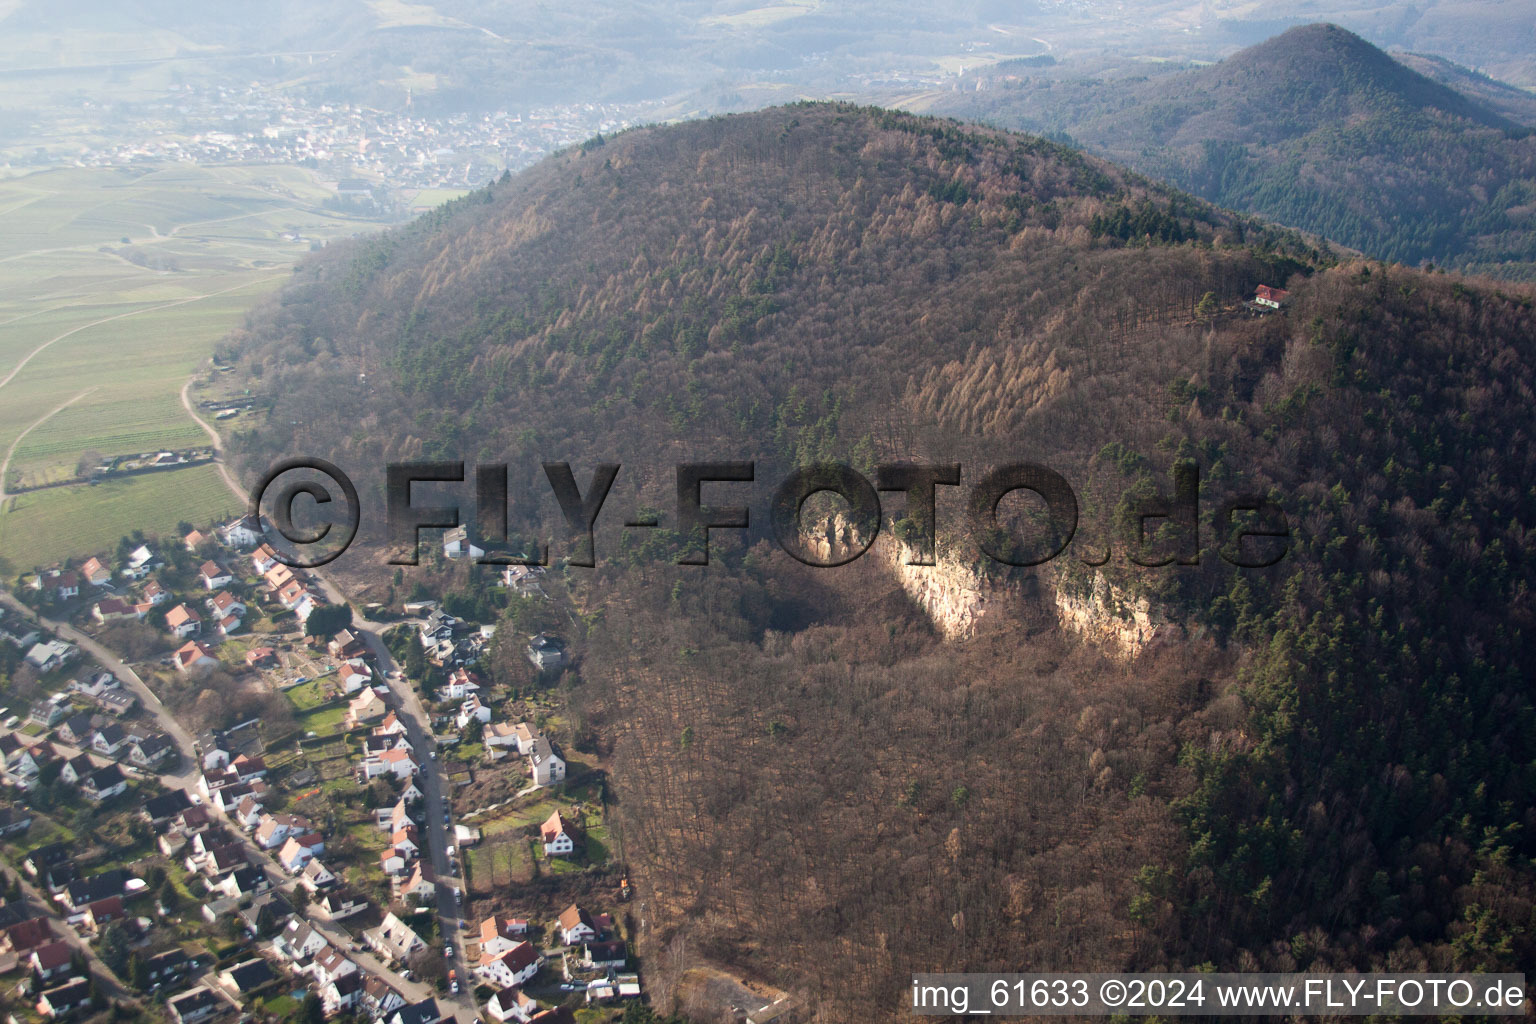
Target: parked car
(448,951)
(453,980)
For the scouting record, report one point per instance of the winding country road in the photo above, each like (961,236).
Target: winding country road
(418,725)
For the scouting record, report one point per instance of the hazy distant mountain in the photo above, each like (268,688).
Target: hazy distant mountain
(469,55)
(1316,129)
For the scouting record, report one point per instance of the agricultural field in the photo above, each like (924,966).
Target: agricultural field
(115,287)
(71,522)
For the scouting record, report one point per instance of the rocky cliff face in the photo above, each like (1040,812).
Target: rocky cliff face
(956,598)
(959,601)
(1120,624)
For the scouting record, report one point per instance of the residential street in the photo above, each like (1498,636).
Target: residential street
(187,771)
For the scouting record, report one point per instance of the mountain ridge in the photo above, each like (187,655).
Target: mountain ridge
(1316,129)
(815,785)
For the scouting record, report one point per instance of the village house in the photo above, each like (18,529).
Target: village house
(393,862)
(155,594)
(76,729)
(215,748)
(77,768)
(575,926)
(456,544)
(366,707)
(152,750)
(63,1000)
(346,646)
(248,814)
(183,621)
(510,967)
(603,955)
(472,711)
(499,934)
(264,560)
(194,1005)
(421,882)
(500,737)
(96,572)
(169,967)
(194,540)
(329,964)
(511,1005)
(51,656)
(105,783)
(13,821)
(395,817)
(246,977)
(242,533)
(341,994)
(547,767)
(424,1012)
(273,830)
(194,657)
(261,657)
(50,712)
(65,585)
(353,676)
(339,903)
(298,941)
(100,913)
(52,959)
(546,651)
(391,726)
(379,998)
(560,837)
(214,575)
(113,609)
(1270,298)
(316,876)
(375,744)
(24,936)
(461,683)
(158,810)
(245,880)
(394,939)
(395,762)
(109,739)
(298,850)
(140,558)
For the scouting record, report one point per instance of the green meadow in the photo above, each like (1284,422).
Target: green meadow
(73,522)
(115,287)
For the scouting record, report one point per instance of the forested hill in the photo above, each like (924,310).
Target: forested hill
(1315,128)
(1333,767)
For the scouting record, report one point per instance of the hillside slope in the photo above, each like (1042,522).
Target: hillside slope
(1317,129)
(1327,764)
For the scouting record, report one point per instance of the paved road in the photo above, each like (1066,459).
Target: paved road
(186,773)
(438,826)
(187,776)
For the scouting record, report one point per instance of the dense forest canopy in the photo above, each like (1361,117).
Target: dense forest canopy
(1317,129)
(1331,766)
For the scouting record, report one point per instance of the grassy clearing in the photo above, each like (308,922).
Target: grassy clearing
(326,722)
(70,522)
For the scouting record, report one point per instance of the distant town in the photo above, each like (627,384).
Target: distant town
(395,150)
